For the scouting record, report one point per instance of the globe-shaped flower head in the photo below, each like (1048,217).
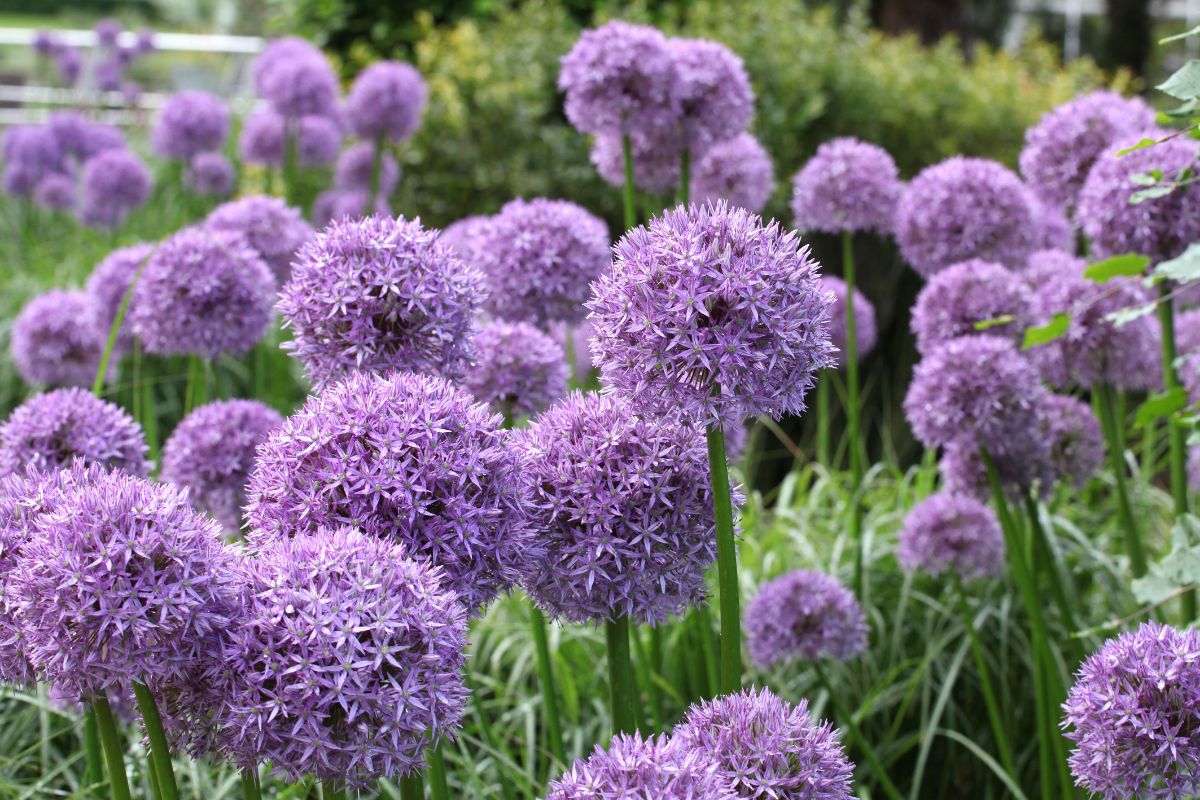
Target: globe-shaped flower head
(655,161)
(408,458)
(955,533)
(205,293)
(318,139)
(633,767)
(386,101)
(123,581)
(115,182)
(1061,149)
(623,505)
(376,295)
(848,185)
(354,165)
(190,123)
(958,298)
(539,258)
(1076,445)
(738,171)
(518,371)
(107,286)
(55,193)
(296,78)
(713,92)
(804,615)
(31,152)
(347,663)
(865,333)
(711,312)
(55,341)
(1132,716)
(274,229)
(965,208)
(51,430)
(465,236)
(81,138)
(209,175)
(766,747)
(211,453)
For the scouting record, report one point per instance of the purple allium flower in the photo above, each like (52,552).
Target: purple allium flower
(203,292)
(632,767)
(806,615)
(949,532)
(380,294)
(335,205)
(1094,349)
(51,430)
(655,161)
(278,54)
(108,74)
(69,63)
(713,92)
(189,123)
(959,297)
(107,285)
(623,505)
(114,183)
(1061,149)
(80,138)
(318,141)
(296,79)
(54,341)
(145,42)
(31,152)
(211,453)
(977,388)
(1055,229)
(353,171)
(465,235)
(964,208)
(210,174)
(711,312)
(848,185)
(386,101)
(1159,227)
(131,92)
(1187,332)
(408,458)
(275,230)
(44,43)
(1025,465)
(107,31)
(620,78)
(1133,711)
(864,317)
(262,142)
(539,258)
(55,192)
(126,54)
(766,747)
(347,663)
(518,370)
(1076,445)
(122,581)
(738,171)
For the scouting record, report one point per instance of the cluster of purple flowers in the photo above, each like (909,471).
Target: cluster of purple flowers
(115,51)
(351,192)
(518,371)
(804,615)
(949,532)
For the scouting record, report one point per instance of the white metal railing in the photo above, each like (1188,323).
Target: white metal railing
(183,42)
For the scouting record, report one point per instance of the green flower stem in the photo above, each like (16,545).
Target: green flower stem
(1114,432)
(114,755)
(376,176)
(114,330)
(702,621)
(1179,481)
(438,788)
(545,668)
(847,719)
(727,574)
(93,770)
(160,754)
(290,187)
(644,671)
(823,424)
(685,176)
(620,675)
(412,787)
(852,416)
(627,196)
(493,741)
(250,788)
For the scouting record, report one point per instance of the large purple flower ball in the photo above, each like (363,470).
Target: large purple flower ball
(275,230)
(539,258)
(848,185)
(408,458)
(353,170)
(114,183)
(965,208)
(81,138)
(190,123)
(318,139)
(711,312)
(518,371)
(1132,716)
(55,341)
(655,161)
(31,152)
(51,430)
(957,299)
(203,293)
(107,286)
(211,453)
(765,747)
(955,533)
(466,236)
(210,175)
(296,78)
(804,615)
(634,767)
(713,93)
(738,171)
(386,101)
(623,505)
(55,193)
(346,662)
(1077,447)
(865,333)
(376,295)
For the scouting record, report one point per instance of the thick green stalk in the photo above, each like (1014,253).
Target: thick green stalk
(290,188)
(114,330)
(545,668)
(702,621)
(1044,558)
(824,379)
(250,788)
(412,787)
(645,676)
(685,176)
(620,675)
(439,789)
(852,415)
(1179,481)
(160,753)
(627,196)
(1114,432)
(376,176)
(493,741)
(93,770)
(727,574)
(847,719)
(114,756)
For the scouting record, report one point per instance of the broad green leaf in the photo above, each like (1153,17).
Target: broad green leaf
(995,322)
(1128,315)
(1042,334)
(1177,570)
(1159,405)
(1184,84)
(1141,144)
(1184,268)
(1153,193)
(1126,265)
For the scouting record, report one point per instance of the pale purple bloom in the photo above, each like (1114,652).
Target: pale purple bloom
(634,768)
(864,318)
(145,42)
(949,532)
(957,299)
(1187,332)
(354,165)
(80,138)
(518,369)
(1055,231)
(386,101)
(190,122)
(1025,465)
(69,63)
(655,161)
(107,30)
(296,78)
(848,185)
(738,171)
(1077,446)
(31,152)
(210,175)
(336,205)
(55,192)
(275,230)
(54,340)
(44,43)
(108,284)
(804,615)
(464,236)
(278,55)
(51,430)
(114,183)
(712,91)
(109,74)
(262,141)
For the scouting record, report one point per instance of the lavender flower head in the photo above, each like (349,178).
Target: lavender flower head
(1131,715)
(80,138)
(711,312)
(386,101)
(190,123)
(107,286)
(804,615)
(54,341)
(766,747)
(961,296)
(317,141)
(211,453)
(114,183)
(518,370)
(864,317)
(848,185)
(955,533)
(31,152)
(738,171)
(1025,465)
(275,230)
(1158,227)
(633,767)
(205,293)
(335,205)
(464,236)
(407,458)
(123,580)
(1061,149)
(713,92)
(539,258)
(347,662)
(1070,427)
(620,78)
(51,430)
(107,31)
(262,142)
(69,63)
(379,294)
(209,175)
(278,55)
(296,79)
(1055,231)
(1187,332)
(353,171)
(597,478)
(655,161)
(55,192)
(964,208)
